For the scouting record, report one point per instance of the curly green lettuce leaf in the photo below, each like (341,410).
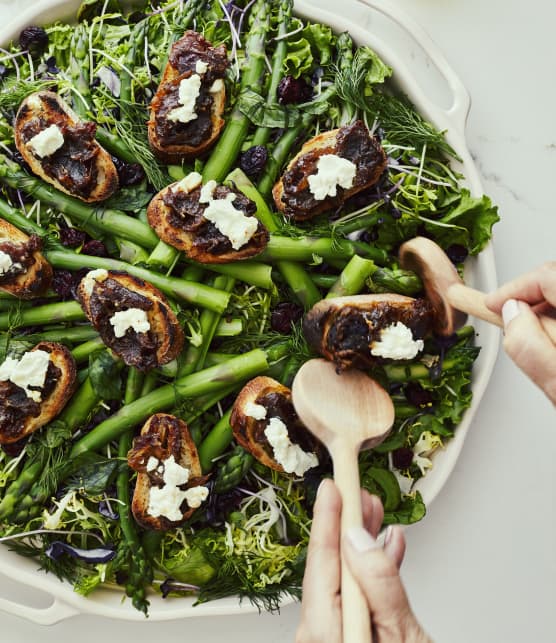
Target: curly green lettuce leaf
(469,223)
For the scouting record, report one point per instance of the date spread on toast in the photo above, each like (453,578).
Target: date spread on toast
(62,150)
(24,272)
(329,168)
(366,330)
(170,484)
(34,389)
(211,223)
(132,317)
(186,111)
(264,422)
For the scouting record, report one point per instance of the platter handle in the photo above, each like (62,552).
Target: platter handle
(461,103)
(57,611)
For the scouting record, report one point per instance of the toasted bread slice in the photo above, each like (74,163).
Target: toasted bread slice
(291,193)
(249,431)
(176,216)
(344,329)
(14,425)
(163,436)
(33,277)
(174,142)
(80,167)
(103,293)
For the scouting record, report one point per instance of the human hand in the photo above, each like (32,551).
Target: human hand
(376,570)
(527,343)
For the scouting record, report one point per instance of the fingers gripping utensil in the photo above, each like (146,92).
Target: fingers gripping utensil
(451,299)
(347,412)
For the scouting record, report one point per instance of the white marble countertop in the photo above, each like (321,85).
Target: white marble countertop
(481,567)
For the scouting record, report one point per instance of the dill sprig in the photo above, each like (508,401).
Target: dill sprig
(131,128)
(350,81)
(15,91)
(403,125)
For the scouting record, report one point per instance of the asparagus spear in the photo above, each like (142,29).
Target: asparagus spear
(107,221)
(224,155)
(138,566)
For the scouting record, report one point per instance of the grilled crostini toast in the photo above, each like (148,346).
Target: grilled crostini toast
(264,422)
(24,272)
(132,317)
(169,483)
(329,168)
(34,389)
(62,150)
(186,111)
(210,224)
(365,330)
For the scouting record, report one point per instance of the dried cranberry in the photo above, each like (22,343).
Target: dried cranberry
(457,253)
(34,40)
(417,395)
(94,248)
(63,284)
(72,238)
(253,160)
(293,90)
(51,66)
(402,458)
(130,173)
(284,315)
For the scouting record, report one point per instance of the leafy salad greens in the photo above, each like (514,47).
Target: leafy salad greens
(65,492)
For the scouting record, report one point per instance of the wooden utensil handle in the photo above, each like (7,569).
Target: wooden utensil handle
(356,621)
(472,301)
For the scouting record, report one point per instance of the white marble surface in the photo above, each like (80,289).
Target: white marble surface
(481,567)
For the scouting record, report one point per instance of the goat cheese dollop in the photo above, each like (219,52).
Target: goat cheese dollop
(29,371)
(332,171)
(131,318)
(396,342)
(6,262)
(47,142)
(188,93)
(291,456)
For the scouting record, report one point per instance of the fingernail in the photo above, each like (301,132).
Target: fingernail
(510,310)
(361,540)
(322,482)
(388,534)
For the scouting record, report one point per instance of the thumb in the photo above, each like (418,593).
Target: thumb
(377,574)
(529,346)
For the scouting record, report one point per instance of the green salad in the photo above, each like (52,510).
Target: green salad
(65,489)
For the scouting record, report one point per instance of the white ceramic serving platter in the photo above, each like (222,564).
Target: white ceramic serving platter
(424,75)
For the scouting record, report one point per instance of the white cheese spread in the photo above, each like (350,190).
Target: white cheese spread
(256,411)
(152,463)
(195,496)
(131,318)
(232,223)
(332,171)
(217,86)
(201,67)
(45,143)
(189,183)
(89,280)
(207,191)
(27,372)
(167,500)
(291,456)
(396,342)
(6,262)
(188,93)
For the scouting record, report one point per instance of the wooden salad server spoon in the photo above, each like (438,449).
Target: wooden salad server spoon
(346,412)
(451,299)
